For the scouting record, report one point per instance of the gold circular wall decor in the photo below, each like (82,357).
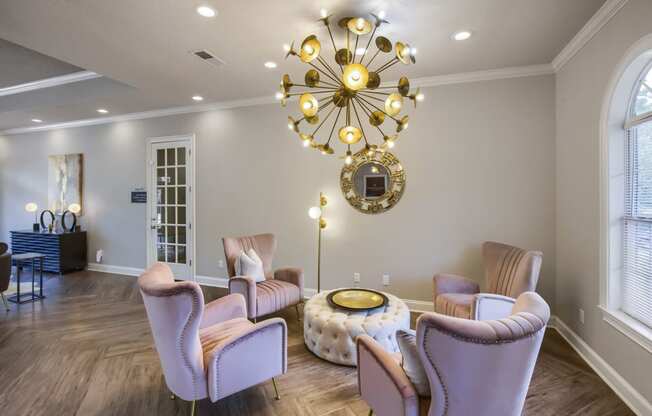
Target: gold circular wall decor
(374,182)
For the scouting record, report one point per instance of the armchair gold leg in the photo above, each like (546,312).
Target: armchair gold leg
(172,396)
(193,408)
(278,396)
(4,300)
(371,412)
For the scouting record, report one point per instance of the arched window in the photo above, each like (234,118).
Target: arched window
(636,286)
(626,196)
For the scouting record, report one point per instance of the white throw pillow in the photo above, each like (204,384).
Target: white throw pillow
(250,264)
(407,343)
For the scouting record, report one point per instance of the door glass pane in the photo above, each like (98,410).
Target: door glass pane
(171,157)
(182,176)
(171,198)
(182,235)
(181,215)
(171,217)
(172,234)
(181,156)
(160,235)
(160,248)
(160,196)
(172,254)
(171,176)
(181,258)
(160,176)
(181,195)
(160,214)
(160,157)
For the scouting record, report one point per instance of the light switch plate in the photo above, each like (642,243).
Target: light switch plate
(386,279)
(356,277)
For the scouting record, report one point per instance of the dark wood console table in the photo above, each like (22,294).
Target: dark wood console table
(64,252)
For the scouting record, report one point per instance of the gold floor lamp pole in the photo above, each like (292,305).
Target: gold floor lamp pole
(317,213)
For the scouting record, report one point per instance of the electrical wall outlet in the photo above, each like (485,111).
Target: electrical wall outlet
(220,264)
(98,256)
(386,279)
(581,313)
(356,277)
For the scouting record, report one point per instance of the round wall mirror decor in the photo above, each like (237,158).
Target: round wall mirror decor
(374,182)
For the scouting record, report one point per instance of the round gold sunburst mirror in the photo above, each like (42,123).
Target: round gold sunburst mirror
(374,182)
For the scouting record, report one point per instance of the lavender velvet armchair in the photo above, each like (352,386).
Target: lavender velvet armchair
(509,271)
(202,348)
(281,288)
(473,367)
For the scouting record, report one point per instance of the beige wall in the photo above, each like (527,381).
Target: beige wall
(581,89)
(479,160)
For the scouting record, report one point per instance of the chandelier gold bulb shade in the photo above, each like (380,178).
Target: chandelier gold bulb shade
(346,95)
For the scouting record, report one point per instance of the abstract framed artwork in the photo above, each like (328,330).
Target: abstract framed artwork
(65,181)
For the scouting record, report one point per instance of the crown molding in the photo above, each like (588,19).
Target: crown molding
(488,75)
(199,108)
(590,29)
(49,82)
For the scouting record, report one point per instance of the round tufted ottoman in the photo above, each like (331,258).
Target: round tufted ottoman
(330,333)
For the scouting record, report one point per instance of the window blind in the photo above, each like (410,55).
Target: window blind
(636,287)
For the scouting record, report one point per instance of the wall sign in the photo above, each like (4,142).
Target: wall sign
(139,196)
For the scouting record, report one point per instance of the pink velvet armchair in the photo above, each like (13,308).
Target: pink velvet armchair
(202,348)
(472,367)
(281,288)
(509,271)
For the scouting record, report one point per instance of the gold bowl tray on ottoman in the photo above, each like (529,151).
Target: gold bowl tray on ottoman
(355,300)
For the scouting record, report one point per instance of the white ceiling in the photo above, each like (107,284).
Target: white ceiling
(142,48)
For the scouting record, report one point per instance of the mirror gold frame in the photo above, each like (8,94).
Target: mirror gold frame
(395,188)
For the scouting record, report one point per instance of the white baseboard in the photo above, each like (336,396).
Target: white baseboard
(618,384)
(212,281)
(107,268)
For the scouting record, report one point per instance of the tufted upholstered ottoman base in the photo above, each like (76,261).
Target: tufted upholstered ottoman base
(330,333)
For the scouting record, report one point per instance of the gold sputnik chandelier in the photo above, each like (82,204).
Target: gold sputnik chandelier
(350,90)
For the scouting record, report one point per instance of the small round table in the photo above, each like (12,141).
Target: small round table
(330,333)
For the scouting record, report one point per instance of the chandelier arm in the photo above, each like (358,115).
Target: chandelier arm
(387,66)
(368,113)
(368,43)
(321,71)
(379,109)
(334,124)
(371,96)
(326,104)
(330,33)
(364,135)
(323,121)
(325,64)
(315,86)
(328,84)
(384,94)
(380,68)
(373,57)
(348,47)
(312,92)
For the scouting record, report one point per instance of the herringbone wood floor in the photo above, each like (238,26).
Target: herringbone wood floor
(87,350)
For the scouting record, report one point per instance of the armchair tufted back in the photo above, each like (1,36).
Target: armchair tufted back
(175,310)
(5,267)
(509,270)
(263,244)
(482,367)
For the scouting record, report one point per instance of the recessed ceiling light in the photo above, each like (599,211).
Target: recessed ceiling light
(198,98)
(360,51)
(323,13)
(381,14)
(270,64)
(102,110)
(206,11)
(462,35)
(37,120)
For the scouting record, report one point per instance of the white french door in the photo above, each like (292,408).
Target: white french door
(170,234)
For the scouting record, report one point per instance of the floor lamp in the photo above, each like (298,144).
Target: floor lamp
(317,213)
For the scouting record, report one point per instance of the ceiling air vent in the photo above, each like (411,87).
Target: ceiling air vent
(208,57)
